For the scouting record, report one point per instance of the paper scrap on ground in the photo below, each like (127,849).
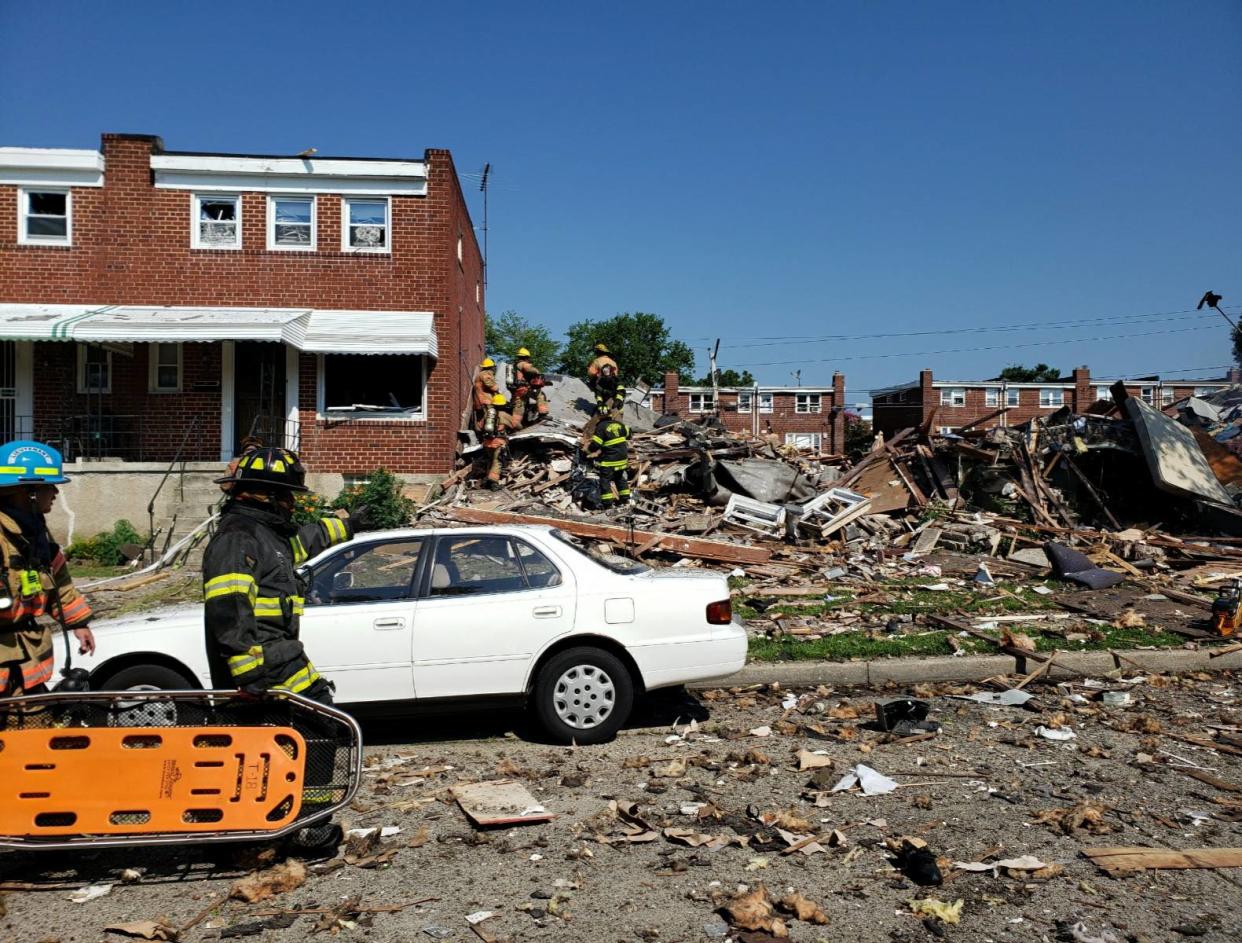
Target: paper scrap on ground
(1055,733)
(871,782)
(1011,698)
(930,907)
(499,802)
(1022,863)
(90,892)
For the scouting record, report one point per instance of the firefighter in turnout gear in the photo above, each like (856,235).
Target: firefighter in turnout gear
(493,434)
(604,378)
(610,447)
(253,597)
(527,390)
(485,388)
(35,580)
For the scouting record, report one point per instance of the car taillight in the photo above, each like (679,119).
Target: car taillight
(720,613)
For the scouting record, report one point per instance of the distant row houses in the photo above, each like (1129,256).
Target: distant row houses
(983,404)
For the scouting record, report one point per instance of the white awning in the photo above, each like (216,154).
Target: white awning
(308,329)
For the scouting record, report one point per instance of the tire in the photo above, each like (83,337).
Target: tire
(145,678)
(583,695)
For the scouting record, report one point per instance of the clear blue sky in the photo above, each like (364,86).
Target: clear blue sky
(747,171)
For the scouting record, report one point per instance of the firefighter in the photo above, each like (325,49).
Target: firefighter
(610,448)
(493,432)
(604,378)
(527,380)
(485,389)
(252,594)
(36,580)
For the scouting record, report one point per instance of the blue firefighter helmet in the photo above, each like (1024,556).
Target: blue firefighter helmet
(30,463)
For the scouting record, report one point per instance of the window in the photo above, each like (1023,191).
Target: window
(476,565)
(745,402)
(1013,397)
(701,403)
(765,403)
(1103,392)
(806,403)
(94,369)
(44,217)
(370,573)
(165,368)
(1166,395)
(953,396)
(598,554)
(291,222)
(216,223)
(364,226)
(1204,390)
(1148,393)
(991,396)
(1049,397)
(803,440)
(383,384)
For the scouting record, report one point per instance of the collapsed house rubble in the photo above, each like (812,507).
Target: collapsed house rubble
(1142,493)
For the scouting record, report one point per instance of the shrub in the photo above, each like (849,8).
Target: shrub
(309,507)
(105,549)
(383,497)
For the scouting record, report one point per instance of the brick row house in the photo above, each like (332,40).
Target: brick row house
(952,404)
(807,417)
(159,305)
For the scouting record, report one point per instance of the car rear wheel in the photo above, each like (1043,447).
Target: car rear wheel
(583,695)
(145,678)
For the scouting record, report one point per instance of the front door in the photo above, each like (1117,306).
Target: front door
(359,620)
(494,602)
(258,393)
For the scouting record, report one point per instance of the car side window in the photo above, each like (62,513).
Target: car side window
(368,573)
(474,565)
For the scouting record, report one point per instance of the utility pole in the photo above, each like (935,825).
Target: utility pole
(487,169)
(711,359)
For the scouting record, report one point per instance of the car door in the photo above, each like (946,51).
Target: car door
(359,619)
(492,602)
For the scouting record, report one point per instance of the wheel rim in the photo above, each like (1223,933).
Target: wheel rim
(145,713)
(584,696)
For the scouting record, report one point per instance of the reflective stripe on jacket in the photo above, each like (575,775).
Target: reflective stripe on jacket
(611,441)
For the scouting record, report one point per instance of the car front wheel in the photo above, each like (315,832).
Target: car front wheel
(583,695)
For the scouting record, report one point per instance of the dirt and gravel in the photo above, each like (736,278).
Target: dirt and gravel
(985,788)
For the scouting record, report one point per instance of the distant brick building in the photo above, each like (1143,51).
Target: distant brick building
(989,403)
(150,297)
(810,417)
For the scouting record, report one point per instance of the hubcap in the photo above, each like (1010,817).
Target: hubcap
(584,696)
(138,713)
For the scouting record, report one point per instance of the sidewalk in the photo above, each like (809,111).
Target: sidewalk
(915,670)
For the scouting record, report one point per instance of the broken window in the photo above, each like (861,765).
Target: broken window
(1148,393)
(806,403)
(366,225)
(45,217)
(165,368)
(373,383)
(803,440)
(217,222)
(291,222)
(701,403)
(953,396)
(94,369)
(744,402)
(765,403)
(1049,397)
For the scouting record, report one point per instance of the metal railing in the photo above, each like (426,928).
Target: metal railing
(177,458)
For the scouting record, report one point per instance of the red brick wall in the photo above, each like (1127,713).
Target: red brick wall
(131,245)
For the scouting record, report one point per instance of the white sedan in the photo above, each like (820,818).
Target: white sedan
(528,613)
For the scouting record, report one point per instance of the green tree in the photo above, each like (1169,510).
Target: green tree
(639,342)
(1040,373)
(858,435)
(729,377)
(505,334)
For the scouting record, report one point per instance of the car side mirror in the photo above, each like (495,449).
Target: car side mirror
(343,580)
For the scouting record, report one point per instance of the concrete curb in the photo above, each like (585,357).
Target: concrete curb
(969,668)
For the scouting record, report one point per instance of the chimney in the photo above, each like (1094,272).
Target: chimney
(672,393)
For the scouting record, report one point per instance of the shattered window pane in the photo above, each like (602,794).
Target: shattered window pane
(365,383)
(743,402)
(217,221)
(766,403)
(47,216)
(368,224)
(292,222)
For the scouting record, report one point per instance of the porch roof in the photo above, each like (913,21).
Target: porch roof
(308,329)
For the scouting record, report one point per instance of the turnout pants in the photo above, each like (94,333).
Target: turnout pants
(610,475)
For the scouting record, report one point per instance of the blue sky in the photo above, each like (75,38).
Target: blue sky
(765,174)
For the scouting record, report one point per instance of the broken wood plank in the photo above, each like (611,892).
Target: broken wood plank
(1221,784)
(499,802)
(1090,489)
(1123,860)
(982,419)
(697,547)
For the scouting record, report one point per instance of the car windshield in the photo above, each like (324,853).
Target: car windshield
(610,561)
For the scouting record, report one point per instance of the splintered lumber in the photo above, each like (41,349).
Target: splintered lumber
(687,546)
(499,802)
(1123,860)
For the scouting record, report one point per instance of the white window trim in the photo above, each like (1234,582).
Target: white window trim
(1013,398)
(1148,395)
(750,402)
(814,404)
(364,250)
(948,394)
(195,201)
(706,404)
(153,372)
(81,385)
(767,403)
(23,202)
(817,439)
(322,412)
(271,222)
(991,396)
(1166,395)
(1046,400)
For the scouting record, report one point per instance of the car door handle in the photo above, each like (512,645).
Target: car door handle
(387,625)
(547,612)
